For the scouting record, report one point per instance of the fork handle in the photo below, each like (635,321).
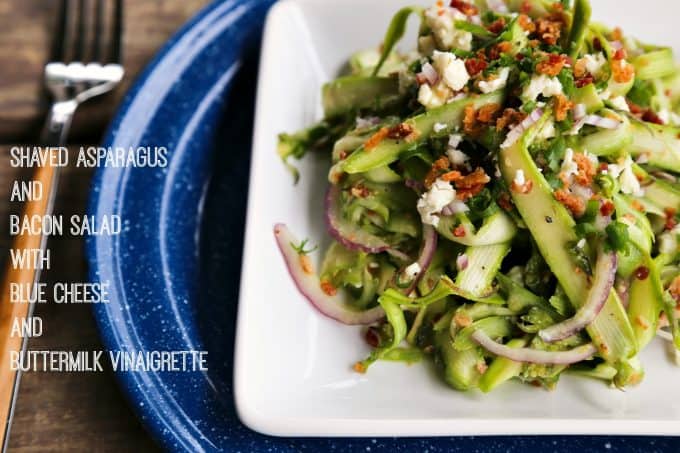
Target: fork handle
(54,134)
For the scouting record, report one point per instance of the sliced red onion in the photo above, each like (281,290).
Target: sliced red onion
(517,131)
(605,274)
(350,235)
(462,262)
(616,45)
(309,285)
(664,175)
(476,19)
(528,355)
(455,207)
(427,249)
(430,74)
(601,122)
(497,6)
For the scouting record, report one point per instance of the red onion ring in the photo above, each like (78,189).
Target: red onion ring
(309,285)
(528,355)
(425,256)
(429,73)
(517,131)
(605,274)
(349,235)
(462,262)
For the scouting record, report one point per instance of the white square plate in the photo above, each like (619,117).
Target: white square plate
(293,372)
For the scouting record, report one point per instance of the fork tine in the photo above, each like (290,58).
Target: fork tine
(98,30)
(79,40)
(117,35)
(59,43)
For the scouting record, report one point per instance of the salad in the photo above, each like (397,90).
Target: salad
(504,200)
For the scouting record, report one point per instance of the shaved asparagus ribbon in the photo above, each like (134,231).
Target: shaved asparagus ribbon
(309,285)
(351,236)
(605,274)
(527,355)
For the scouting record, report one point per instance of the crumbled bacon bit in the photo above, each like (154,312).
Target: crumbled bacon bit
(497,26)
(306,265)
(534,43)
(597,44)
(642,272)
(462,319)
(674,289)
(526,7)
(481,367)
(622,71)
(459,231)
(637,206)
(439,165)
(376,138)
(342,155)
(620,54)
(575,204)
(372,337)
(401,130)
(328,288)
(670,218)
(586,169)
(505,202)
(359,368)
(508,118)
(524,189)
(549,30)
(499,49)
(476,178)
(651,117)
(526,23)
(562,107)
(488,113)
(585,80)
(634,108)
(607,208)
(470,119)
(452,176)
(360,191)
(475,65)
(464,7)
(642,322)
(552,65)
(580,68)
(470,185)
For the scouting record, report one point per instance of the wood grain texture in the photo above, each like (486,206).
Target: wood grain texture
(69,412)
(24,49)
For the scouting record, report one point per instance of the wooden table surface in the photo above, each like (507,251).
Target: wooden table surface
(71,412)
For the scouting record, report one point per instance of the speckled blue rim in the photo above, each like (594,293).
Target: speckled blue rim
(154,266)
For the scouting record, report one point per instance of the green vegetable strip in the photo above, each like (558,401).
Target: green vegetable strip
(646,303)
(353,92)
(396,319)
(608,141)
(502,369)
(546,218)
(582,13)
(660,144)
(389,150)
(395,32)
(483,265)
(654,65)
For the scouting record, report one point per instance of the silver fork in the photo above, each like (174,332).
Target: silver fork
(84,64)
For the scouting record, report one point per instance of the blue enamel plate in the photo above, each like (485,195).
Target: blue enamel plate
(174,270)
